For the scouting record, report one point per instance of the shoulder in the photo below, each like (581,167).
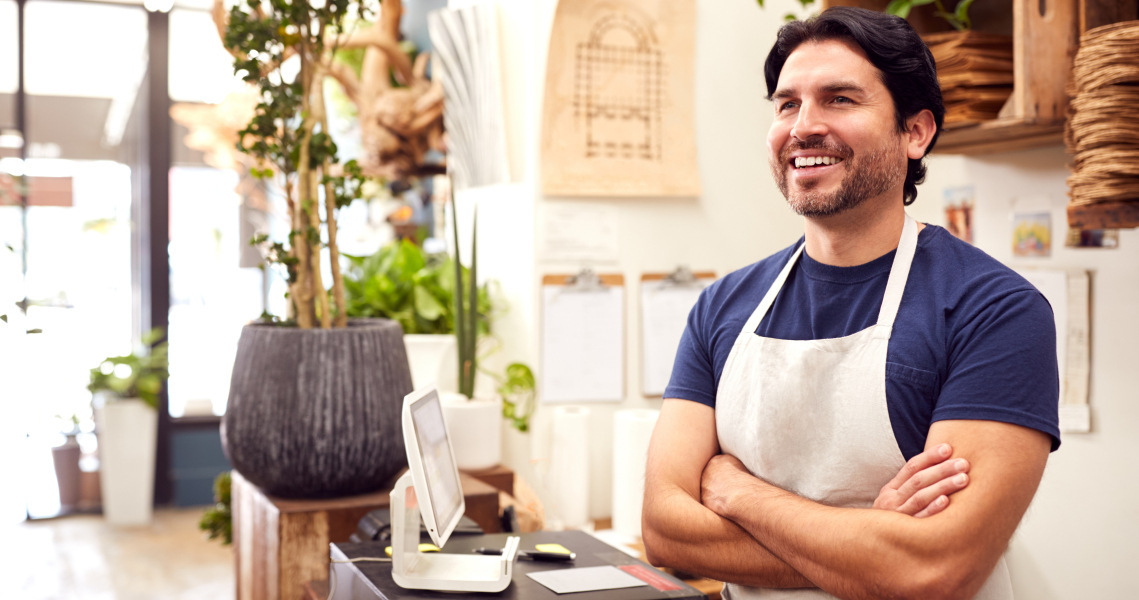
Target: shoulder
(963,277)
(741,287)
(993,333)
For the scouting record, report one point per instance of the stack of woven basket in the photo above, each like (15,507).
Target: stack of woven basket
(975,73)
(1103,122)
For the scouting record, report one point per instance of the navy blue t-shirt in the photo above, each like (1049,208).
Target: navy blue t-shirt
(972,339)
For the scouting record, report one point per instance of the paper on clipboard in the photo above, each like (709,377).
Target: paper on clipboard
(665,305)
(583,341)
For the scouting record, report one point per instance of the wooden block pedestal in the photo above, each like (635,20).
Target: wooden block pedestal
(281,544)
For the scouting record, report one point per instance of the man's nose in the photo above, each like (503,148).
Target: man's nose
(809,123)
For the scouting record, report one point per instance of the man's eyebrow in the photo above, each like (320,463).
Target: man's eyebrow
(843,86)
(837,87)
(781,94)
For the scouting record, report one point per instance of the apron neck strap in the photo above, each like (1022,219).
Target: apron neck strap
(899,273)
(772,292)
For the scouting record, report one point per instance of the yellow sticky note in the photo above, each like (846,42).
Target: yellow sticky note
(557,548)
(422,548)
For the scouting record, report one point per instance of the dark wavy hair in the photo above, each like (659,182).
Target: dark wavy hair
(902,58)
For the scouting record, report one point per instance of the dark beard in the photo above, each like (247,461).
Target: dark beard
(867,176)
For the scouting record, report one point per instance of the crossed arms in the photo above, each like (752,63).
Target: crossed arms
(705,514)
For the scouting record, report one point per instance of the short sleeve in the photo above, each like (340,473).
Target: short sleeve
(693,373)
(1003,367)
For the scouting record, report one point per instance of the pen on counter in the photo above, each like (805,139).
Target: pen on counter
(531,554)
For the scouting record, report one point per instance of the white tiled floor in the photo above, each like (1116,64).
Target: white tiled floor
(82,557)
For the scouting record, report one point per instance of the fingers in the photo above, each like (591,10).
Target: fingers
(947,478)
(923,486)
(919,463)
(934,507)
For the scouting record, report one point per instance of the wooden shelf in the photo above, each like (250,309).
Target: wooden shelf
(1001,135)
(1105,215)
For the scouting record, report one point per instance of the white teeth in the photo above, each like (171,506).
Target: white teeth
(811,161)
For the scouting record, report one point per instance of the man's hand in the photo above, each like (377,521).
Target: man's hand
(922,488)
(723,476)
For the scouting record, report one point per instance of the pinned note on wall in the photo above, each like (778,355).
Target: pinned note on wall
(666,299)
(583,338)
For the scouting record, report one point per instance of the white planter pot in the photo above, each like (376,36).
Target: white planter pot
(434,360)
(127,432)
(475,428)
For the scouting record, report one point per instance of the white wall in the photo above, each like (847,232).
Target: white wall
(1075,541)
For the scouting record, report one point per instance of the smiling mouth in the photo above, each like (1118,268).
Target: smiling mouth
(803,162)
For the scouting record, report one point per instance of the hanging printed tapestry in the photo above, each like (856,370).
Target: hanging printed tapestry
(618,113)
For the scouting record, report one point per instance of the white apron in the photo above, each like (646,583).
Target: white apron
(810,416)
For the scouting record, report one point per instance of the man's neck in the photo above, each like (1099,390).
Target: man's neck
(856,236)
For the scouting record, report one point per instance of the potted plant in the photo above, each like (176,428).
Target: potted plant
(478,441)
(403,282)
(125,393)
(314,398)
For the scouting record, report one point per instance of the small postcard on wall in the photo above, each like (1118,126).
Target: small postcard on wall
(1032,234)
(1092,238)
(959,212)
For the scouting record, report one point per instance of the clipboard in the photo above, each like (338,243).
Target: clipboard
(666,300)
(583,338)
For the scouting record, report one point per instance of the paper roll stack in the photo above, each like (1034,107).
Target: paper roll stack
(632,430)
(569,466)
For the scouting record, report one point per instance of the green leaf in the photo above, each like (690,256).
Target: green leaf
(426,305)
(760,2)
(900,8)
(962,14)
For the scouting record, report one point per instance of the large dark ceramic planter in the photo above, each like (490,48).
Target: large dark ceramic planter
(316,413)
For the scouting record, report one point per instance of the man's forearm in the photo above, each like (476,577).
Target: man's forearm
(683,534)
(851,553)
(867,553)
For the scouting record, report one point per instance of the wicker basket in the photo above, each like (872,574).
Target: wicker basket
(1102,132)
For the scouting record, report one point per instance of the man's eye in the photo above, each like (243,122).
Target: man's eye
(843,100)
(787,105)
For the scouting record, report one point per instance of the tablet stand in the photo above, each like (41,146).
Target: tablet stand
(413,569)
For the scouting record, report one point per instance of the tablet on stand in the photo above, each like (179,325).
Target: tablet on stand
(431,489)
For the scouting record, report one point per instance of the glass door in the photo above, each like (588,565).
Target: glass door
(66,256)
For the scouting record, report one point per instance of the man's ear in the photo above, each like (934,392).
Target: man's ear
(919,131)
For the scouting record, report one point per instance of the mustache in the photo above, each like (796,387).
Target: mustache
(838,149)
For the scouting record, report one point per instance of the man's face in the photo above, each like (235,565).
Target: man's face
(834,143)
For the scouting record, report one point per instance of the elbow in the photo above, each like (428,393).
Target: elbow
(653,543)
(944,580)
(659,552)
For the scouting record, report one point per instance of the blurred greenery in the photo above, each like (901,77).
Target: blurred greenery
(218,519)
(140,374)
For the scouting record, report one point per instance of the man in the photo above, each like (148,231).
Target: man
(805,381)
